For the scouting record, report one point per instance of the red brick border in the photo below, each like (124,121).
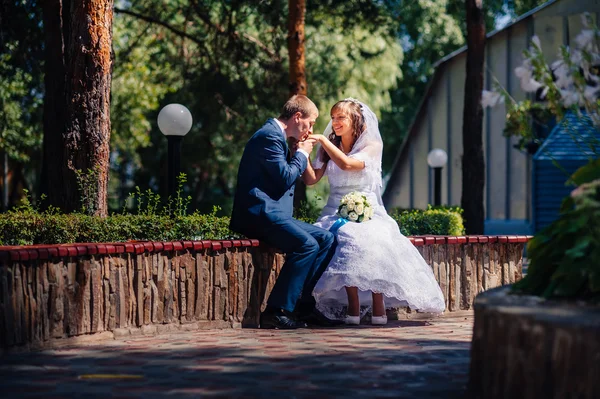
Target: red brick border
(33,252)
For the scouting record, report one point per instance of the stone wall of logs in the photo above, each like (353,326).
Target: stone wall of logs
(53,292)
(525,347)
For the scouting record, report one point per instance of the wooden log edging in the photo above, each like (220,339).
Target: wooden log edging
(530,348)
(50,292)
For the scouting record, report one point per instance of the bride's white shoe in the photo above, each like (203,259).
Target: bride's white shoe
(352,320)
(379,320)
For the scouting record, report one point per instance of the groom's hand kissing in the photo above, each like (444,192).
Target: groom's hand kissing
(307,144)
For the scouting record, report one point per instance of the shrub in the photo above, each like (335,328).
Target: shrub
(18,228)
(432,221)
(26,225)
(565,256)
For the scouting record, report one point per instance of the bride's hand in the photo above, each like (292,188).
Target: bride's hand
(319,138)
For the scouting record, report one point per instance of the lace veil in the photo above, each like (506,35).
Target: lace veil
(368,148)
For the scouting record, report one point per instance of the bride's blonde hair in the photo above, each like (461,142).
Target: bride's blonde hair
(352,110)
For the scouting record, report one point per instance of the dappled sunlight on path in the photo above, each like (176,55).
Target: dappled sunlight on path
(424,358)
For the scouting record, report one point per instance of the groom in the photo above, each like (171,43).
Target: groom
(263,209)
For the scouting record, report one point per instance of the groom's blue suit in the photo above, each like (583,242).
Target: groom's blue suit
(263,208)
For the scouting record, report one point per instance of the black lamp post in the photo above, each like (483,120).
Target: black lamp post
(174,121)
(436,159)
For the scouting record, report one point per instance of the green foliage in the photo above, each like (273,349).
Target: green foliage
(19,134)
(565,256)
(524,119)
(19,228)
(154,221)
(432,221)
(308,211)
(428,32)
(87,185)
(587,173)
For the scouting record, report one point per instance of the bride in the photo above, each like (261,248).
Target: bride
(373,262)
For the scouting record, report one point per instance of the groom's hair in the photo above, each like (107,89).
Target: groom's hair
(298,103)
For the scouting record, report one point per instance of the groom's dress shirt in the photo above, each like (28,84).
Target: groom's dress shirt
(285,137)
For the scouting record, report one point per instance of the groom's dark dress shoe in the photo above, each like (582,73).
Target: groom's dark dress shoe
(316,318)
(278,319)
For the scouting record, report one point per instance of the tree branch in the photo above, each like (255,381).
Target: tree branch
(233,34)
(206,19)
(159,22)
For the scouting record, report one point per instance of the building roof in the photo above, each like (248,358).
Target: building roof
(495,32)
(404,147)
(574,138)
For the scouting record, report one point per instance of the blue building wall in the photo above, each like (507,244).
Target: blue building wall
(572,144)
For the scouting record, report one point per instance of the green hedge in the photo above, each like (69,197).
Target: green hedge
(26,226)
(432,221)
(415,222)
(20,228)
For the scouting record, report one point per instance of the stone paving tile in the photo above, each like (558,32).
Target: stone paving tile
(414,358)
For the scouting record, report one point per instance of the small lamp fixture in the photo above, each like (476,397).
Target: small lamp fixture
(437,159)
(174,121)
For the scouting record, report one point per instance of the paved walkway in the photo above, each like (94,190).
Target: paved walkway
(414,358)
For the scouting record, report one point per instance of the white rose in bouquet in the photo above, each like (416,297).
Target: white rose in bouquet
(350,205)
(360,209)
(355,207)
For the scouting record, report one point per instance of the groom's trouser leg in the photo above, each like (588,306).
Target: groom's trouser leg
(302,250)
(327,245)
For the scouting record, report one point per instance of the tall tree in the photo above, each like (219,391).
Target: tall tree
(54,101)
(21,88)
(297,60)
(427,32)
(232,74)
(473,167)
(80,36)
(296,48)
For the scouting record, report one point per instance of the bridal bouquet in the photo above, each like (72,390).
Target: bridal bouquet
(355,207)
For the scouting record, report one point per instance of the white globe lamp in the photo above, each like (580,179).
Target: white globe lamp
(174,121)
(437,159)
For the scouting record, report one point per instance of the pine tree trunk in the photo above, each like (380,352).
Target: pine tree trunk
(83,136)
(473,167)
(54,104)
(296,51)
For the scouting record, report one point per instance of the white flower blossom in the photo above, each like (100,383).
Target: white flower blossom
(350,205)
(585,19)
(530,85)
(569,98)
(490,98)
(576,57)
(563,78)
(360,209)
(353,216)
(355,206)
(536,40)
(585,39)
(523,72)
(591,93)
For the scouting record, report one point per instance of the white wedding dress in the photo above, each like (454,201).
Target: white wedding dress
(373,256)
